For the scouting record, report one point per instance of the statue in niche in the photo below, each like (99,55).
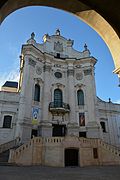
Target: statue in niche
(58,46)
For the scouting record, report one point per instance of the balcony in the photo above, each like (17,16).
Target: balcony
(59,107)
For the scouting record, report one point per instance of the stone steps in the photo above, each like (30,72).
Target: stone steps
(4,156)
(7,164)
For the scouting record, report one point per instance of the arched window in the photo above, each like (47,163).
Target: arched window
(37,93)
(80,97)
(7,121)
(102,123)
(58,98)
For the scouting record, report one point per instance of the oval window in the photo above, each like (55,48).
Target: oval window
(58,75)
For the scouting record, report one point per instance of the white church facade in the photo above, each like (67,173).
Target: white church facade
(56,96)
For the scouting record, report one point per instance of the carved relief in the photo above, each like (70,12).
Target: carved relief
(58,46)
(79,76)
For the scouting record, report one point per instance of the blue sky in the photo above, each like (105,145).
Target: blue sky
(16,30)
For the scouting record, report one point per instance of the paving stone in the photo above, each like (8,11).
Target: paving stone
(49,173)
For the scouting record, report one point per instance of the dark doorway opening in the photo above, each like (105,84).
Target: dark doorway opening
(82,134)
(59,130)
(34,133)
(71,157)
(58,55)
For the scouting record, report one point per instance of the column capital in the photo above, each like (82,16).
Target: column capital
(46,67)
(31,62)
(70,72)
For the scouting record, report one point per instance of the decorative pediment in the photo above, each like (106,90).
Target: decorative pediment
(38,80)
(58,85)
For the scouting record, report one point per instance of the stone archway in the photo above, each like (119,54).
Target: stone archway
(87,11)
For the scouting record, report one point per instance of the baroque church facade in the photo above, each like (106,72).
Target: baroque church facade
(56,96)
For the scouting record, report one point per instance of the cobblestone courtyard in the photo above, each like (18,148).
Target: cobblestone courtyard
(48,173)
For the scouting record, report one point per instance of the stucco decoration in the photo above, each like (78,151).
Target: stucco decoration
(38,70)
(79,76)
(58,46)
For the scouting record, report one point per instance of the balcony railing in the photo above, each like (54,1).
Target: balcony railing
(59,107)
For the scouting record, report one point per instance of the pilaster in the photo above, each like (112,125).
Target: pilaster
(93,126)
(23,128)
(45,126)
(72,125)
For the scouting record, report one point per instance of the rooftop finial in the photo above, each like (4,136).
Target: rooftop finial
(109,100)
(57,32)
(32,35)
(85,46)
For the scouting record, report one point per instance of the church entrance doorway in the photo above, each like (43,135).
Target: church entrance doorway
(71,157)
(58,130)
(34,133)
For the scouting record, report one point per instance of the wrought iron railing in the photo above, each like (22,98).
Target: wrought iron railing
(57,105)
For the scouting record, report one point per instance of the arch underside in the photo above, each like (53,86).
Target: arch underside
(87,10)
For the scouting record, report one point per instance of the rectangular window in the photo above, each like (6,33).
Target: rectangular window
(7,121)
(81,119)
(95,153)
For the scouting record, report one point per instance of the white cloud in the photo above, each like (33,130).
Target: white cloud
(117,101)
(12,71)
(11,76)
